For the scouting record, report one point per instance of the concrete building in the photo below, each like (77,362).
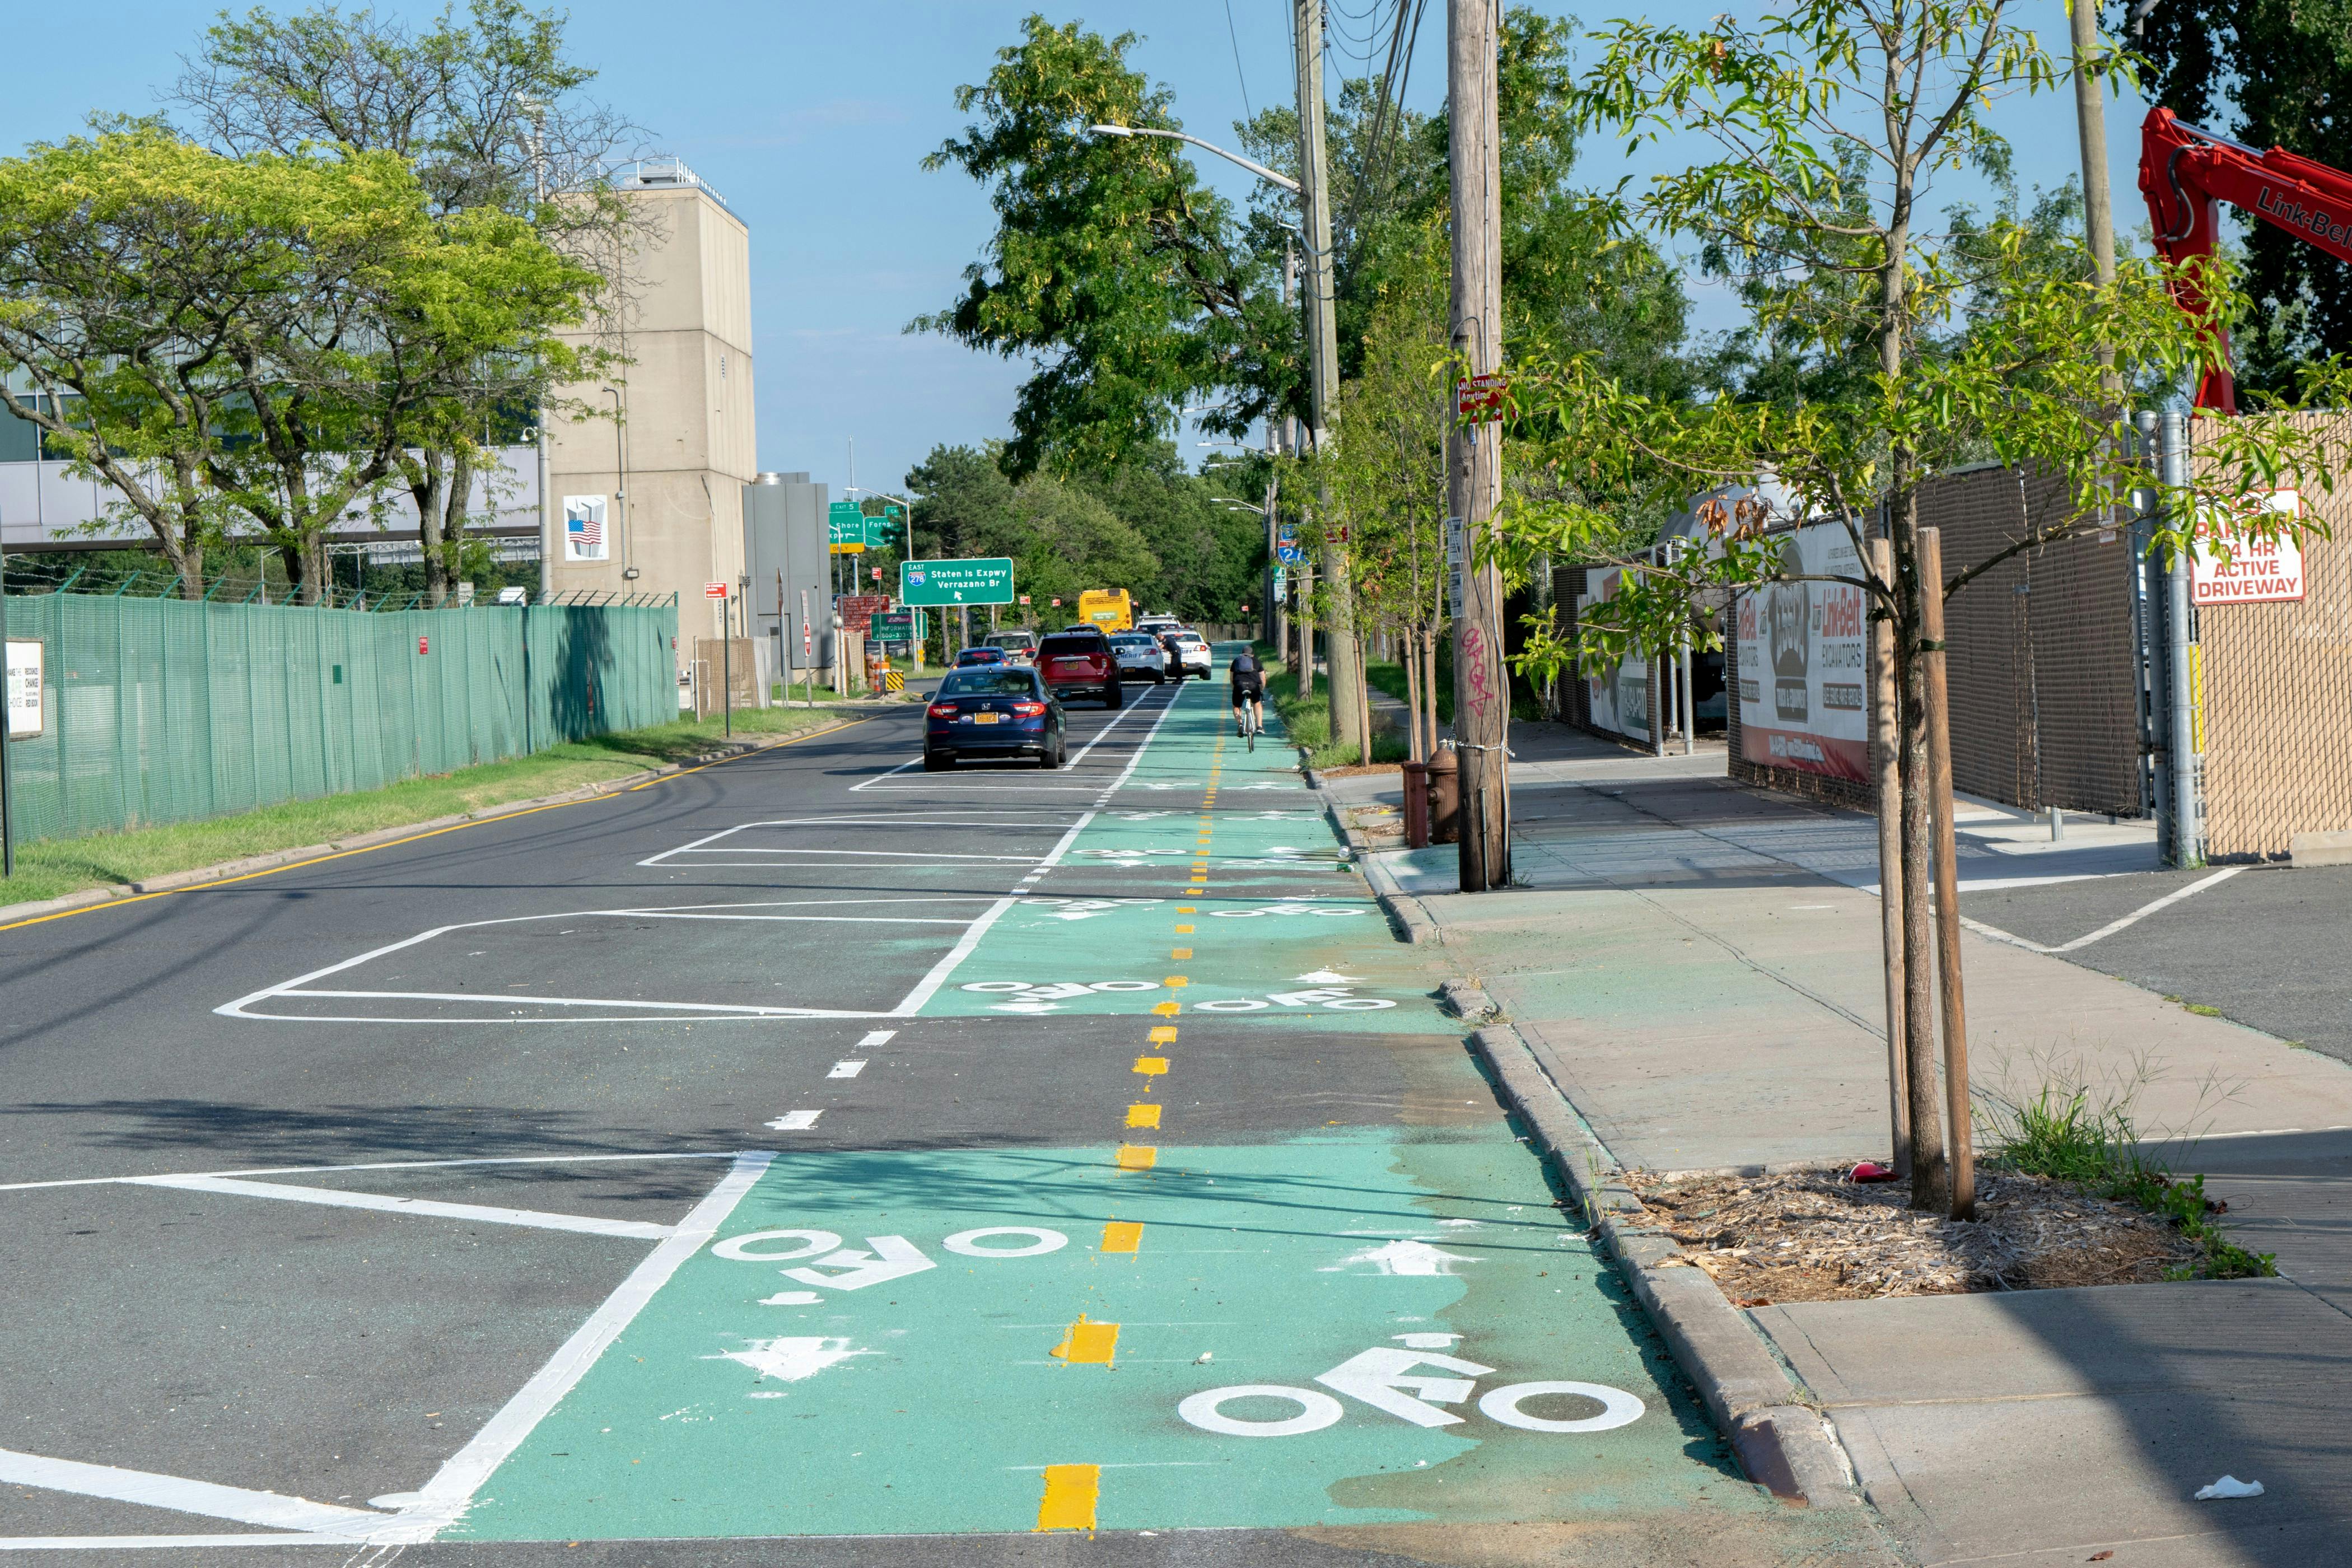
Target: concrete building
(652,502)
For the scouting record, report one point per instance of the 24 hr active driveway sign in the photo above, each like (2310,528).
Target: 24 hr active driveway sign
(987,580)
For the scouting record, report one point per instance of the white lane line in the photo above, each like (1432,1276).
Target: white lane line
(441,1499)
(915,855)
(127,1543)
(817,920)
(2112,927)
(930,982)
(797,1120)
(876,1037)
(878,778)
(183,1495)
(685,1009)
(380,1166)
(847,1069)
(335,1197)
(1115,723)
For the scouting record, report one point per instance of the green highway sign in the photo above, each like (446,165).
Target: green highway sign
(889,529)
(847,526)
(901,626)
(982,582)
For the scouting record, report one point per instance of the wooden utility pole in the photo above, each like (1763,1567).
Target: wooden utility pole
(1887,765)
(1959,1134)
(2091,123)
(1474,468)
(1323,363)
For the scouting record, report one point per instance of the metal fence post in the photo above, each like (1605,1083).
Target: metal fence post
(2188,838)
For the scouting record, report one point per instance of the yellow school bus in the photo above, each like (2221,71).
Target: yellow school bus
(1107,608)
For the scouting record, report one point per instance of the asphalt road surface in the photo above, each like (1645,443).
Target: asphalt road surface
(998,1166)
(2261,944)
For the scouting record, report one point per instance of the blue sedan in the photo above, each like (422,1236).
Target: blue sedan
(993,712)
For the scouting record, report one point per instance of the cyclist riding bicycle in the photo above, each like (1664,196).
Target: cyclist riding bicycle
(1248,679)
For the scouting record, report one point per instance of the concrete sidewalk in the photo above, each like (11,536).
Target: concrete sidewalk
(1698,969)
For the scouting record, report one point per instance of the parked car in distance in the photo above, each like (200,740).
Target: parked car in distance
(1079,663)
(979,656)
(1188,653)
(1020,647)
(992,711)
(1140,656)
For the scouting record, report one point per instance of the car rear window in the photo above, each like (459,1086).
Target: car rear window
(1067,644)
(1010,639)
(989,683)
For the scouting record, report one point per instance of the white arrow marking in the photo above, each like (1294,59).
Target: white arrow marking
(1409,1258)
(1026,1008)
(1378,1378)
(893,1258)
(1330,977)
(791,1360)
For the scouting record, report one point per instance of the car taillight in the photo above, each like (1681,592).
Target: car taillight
(1029,710)
(944,710)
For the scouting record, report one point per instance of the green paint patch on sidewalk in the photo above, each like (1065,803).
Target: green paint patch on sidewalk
(902,1343)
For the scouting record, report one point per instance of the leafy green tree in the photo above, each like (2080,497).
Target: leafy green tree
(488,112)
(124,258)
(1112,266)
(2282,71)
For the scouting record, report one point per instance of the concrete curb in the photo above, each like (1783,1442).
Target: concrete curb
(1782,1441)
(1407,917)
(377,837)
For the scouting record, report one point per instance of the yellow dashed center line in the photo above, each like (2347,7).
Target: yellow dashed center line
(1152,1067)
(1137,1156)
(1122,1236)
(1144,1115)
(1071,1492)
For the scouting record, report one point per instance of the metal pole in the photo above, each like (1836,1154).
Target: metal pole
(7,723)
(2188,836)
(726,671)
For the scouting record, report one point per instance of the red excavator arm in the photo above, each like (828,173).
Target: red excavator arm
(2184,171)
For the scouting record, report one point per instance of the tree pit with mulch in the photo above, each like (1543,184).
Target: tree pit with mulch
(1814,1236)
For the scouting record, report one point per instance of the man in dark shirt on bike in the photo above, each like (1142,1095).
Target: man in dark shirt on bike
(1248,679)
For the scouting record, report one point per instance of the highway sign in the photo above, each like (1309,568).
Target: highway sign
(1286,545)
(901,626)
(982,581)
(846,527)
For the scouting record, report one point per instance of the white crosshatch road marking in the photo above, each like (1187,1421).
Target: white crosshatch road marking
(422,1514)
(287,1001)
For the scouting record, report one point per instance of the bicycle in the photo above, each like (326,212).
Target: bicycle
(1246,723)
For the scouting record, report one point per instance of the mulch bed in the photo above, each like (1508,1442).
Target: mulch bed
(1813,1235)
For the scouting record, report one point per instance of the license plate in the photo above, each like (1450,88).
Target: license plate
(986,718)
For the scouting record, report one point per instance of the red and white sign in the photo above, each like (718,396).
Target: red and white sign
(1479,398)
(714,590)
(423,645)
(2259,570)
(1802,649)
(1024,599)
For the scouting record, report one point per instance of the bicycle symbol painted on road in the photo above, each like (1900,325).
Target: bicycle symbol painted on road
(1389,1380)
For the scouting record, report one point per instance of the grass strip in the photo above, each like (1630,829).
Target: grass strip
(53,868)
(1309,723)
(2060,1134)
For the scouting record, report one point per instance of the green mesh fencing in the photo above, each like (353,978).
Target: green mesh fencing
(161,711)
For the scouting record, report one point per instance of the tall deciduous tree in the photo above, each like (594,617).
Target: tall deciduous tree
(1126,280)
(124,259)
(488,113)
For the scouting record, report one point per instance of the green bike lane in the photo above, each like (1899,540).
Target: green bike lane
(1131,1310)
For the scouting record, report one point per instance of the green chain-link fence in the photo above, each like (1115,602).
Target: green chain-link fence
(164,710)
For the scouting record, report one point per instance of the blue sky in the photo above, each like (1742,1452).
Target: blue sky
(812,121)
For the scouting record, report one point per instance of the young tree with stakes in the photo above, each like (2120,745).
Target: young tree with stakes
(1833,117)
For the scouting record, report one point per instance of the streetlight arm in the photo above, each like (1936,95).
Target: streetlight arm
(1260,170)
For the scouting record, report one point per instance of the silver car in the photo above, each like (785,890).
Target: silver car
(1139,656)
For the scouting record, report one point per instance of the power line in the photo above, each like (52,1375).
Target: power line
(1234,34)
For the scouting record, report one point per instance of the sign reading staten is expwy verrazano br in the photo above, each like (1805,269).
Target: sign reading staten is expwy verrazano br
(988,581)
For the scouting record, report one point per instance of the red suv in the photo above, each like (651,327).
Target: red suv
(1073,662)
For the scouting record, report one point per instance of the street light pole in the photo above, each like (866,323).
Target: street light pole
(1323,370)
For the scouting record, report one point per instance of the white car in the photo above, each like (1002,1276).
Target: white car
(1189,650)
